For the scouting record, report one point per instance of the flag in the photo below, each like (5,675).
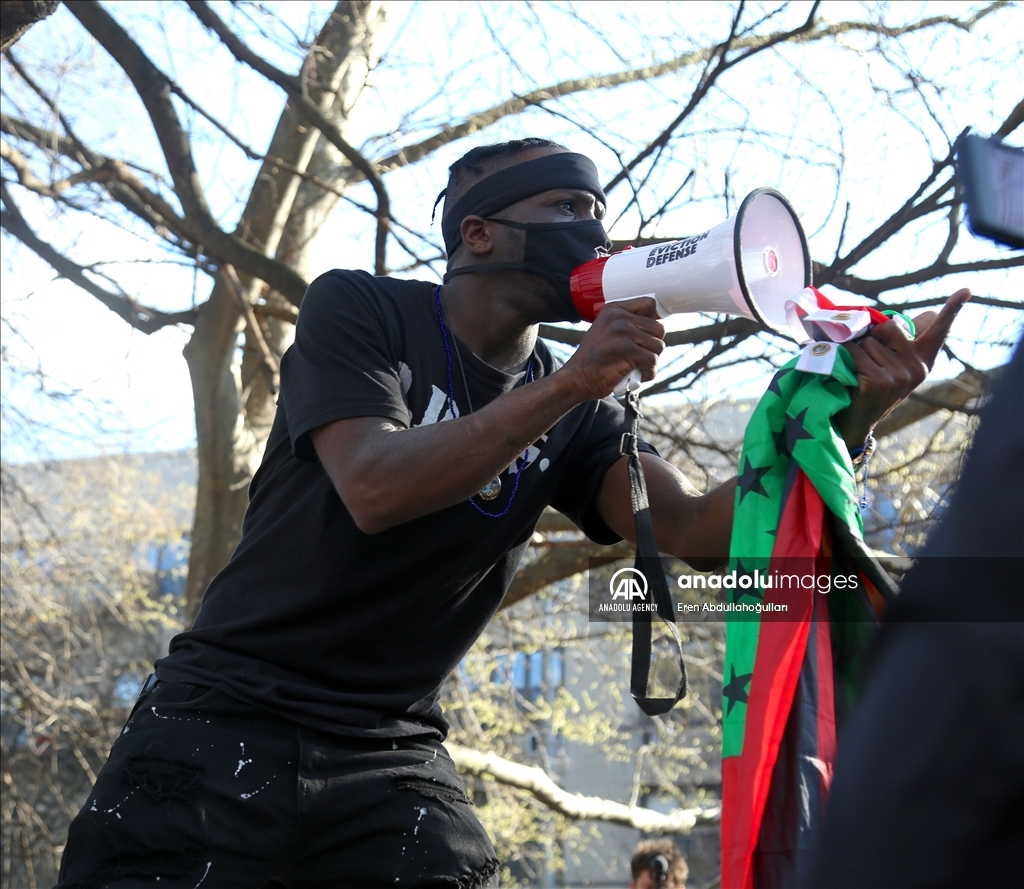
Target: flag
(790,674)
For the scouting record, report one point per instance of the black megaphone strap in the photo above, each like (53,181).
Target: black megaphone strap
(648,562)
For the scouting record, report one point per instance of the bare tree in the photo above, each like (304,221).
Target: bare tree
(261,265)
(162,180)
(88,604)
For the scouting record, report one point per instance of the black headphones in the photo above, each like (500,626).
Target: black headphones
(659,870)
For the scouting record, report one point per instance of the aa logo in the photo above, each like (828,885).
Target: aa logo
(628,584)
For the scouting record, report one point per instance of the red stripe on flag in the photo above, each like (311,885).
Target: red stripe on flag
(781,644)
(825,303)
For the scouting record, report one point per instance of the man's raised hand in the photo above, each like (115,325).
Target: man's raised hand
(890,365)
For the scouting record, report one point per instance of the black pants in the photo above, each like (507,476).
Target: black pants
(201,790)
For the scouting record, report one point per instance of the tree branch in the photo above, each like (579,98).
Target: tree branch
(575,806)
(938,270)
(911,210)
(293,87)
(29,180)
(938,301)
(85,157)
(124,186)
(252,327)
(19,16)
(137,315)
(951,237)
(557,564)
(154,88)
(908,212)
(709,80)
(410,154)
(700,364)
(1011,123)
(945,395)
(252,154)
(282,313)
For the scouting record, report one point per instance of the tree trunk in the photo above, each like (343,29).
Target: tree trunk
(234,400)
(19,16)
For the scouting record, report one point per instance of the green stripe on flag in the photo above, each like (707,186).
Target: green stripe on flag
(792,421)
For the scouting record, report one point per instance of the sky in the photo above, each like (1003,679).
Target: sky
(134,391)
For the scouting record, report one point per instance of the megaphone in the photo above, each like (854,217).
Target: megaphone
(748,266)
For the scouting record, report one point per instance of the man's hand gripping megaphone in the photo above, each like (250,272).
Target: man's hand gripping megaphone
(624,341)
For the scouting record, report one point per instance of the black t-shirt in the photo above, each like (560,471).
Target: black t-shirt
(351,632)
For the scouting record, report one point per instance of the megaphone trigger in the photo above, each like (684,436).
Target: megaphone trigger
(628,383)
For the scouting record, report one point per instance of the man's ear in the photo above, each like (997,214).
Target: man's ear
(476,235)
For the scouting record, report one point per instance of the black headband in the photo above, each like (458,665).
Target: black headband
(506,187)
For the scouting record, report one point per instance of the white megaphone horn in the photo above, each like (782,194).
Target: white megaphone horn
(749,265)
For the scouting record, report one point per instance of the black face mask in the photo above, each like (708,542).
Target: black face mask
(554,250)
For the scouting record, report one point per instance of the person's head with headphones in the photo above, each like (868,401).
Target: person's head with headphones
(657,864)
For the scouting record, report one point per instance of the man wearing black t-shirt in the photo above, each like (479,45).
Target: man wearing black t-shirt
(293,735)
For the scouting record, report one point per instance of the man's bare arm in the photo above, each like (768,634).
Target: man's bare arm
(692,526)
(697,528)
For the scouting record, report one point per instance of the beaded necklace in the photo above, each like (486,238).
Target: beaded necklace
(493,488)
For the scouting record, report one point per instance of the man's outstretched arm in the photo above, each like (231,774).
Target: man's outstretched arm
(696,527)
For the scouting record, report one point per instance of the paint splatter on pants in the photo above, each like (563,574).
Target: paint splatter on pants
(204,792)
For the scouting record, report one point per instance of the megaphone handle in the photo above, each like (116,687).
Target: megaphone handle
(628,382)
